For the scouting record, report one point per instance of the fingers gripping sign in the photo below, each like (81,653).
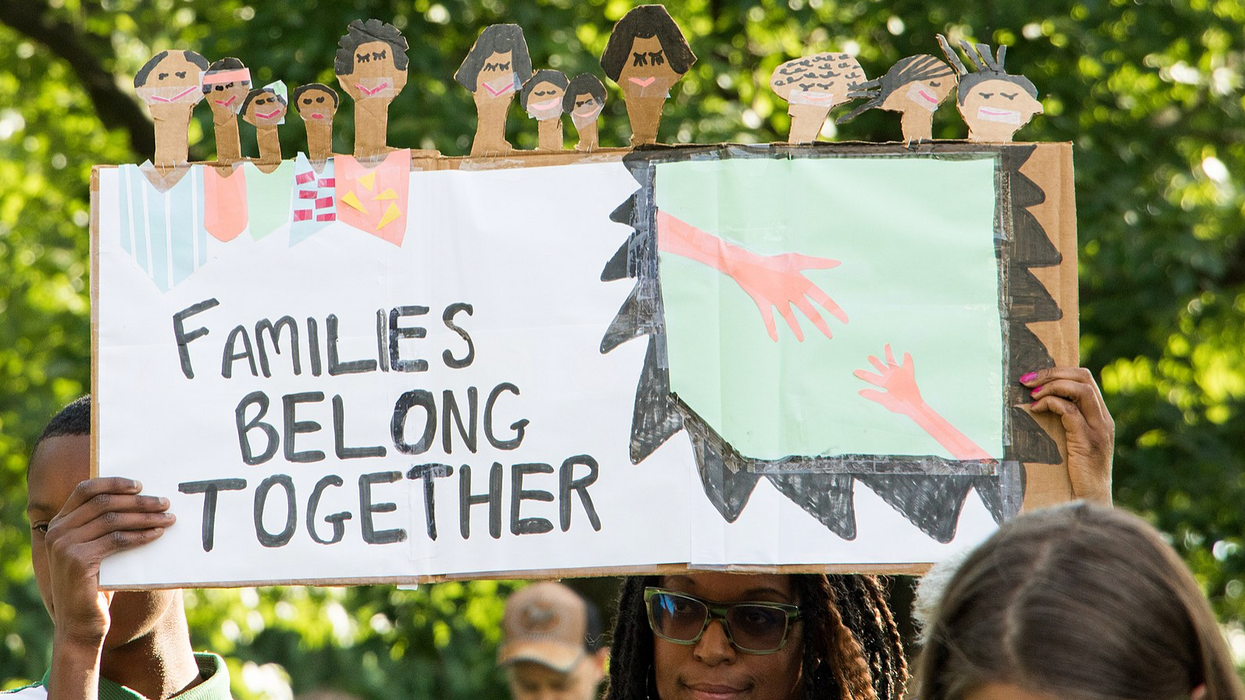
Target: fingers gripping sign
(1072,394)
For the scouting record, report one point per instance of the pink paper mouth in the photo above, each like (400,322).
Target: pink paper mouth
(498,93)
(317,116)
(225,103)
(373,91)
(545,105)
(176,97)
(925,95)
(269,115)
(645,82)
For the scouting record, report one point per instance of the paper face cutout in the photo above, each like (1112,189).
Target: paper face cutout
(812,86)
(993,103)
(542,98)
(371,65)
(265,109)
(171,85)
(316,104)
(225,86)
(915,86)
(584,100)
(494,71)
(646,54)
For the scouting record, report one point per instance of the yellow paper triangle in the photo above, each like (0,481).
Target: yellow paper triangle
(390,214)
(387,194)
(368,181)
(351,200)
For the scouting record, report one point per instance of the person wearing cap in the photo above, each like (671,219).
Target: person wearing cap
(551,644)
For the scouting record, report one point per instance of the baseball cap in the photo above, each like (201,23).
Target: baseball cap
(546,623)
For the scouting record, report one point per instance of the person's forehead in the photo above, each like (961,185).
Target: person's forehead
(57,467)
(723,586)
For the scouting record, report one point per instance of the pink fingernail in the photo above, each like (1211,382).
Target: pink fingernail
(1028,377)
(1035,391)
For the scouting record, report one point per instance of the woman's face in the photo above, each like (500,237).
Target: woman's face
(713,669)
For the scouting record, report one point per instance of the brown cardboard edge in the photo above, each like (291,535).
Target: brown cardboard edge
(93,233)
(1050,167)
(546,574)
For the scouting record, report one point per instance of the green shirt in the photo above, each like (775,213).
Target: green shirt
(215,685)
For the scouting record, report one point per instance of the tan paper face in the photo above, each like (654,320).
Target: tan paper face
(996,109)
(920,95)
(374,76)
(497,78)
(821,80)
(646,72)
(265,111)
(226,98)
(173,82)
(545,101)
(316,106)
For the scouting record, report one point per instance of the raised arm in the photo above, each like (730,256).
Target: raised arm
(772,281)
(1072,394)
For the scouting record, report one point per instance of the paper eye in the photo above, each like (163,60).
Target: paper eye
(1010,96)
(657,58)
(986,95)
(806,86)
(162,76)
(363,57)
(935,83)
(320,100)
(639,59)
(181,74)
(306,100)
(379,55)
(504,66)
(219,88)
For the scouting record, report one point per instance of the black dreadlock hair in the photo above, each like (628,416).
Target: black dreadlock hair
(852,648)
(987,68)
(905,71)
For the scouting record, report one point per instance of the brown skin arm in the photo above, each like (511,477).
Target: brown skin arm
(102,517)
(1072,394)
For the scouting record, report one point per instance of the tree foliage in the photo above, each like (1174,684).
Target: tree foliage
(1150,92)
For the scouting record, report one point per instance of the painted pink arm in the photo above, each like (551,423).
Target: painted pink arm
(901,395)
(772,281)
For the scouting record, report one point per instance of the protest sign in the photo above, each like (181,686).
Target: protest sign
(775,357)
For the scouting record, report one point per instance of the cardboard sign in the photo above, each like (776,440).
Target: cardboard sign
(765,357)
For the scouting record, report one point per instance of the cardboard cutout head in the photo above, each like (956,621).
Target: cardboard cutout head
(225,85)
(646,48)
(812,85)
(498,63)
(264,108)
(915,86)
(584,99)
(315,102)
(371,61)
(542,94)
(994,103)
(171,79)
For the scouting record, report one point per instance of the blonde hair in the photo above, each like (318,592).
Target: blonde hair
(1081,602)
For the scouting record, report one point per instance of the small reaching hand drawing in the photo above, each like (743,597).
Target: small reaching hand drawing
(773,281)
(900,394)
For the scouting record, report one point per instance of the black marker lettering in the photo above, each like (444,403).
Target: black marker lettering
(183,338)
(449,409)
(291,511)
(397,333)
(518,494)
(337,367)
(466,499)
(293,426)
(339,436)
(448,318)
(245,426)
(366,508)
(567,483)
(313,341)
(516,426)
(429,472)
(210,489)
(336,519)
(397,428)
(228,357)
(274,332)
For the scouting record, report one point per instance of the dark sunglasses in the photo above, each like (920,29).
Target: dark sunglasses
(753,627)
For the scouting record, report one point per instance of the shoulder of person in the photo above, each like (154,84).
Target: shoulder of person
(215,685)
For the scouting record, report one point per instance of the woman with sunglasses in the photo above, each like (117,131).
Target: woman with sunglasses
(725,636)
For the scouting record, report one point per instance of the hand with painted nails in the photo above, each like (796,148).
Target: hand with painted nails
(1072,394)
(774,282)
(901,395)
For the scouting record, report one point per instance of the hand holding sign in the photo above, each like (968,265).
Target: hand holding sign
(902,395)
(773,281)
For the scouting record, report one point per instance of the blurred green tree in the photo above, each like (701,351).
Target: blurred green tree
(1150,92)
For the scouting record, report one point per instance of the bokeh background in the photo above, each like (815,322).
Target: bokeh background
(1150,92)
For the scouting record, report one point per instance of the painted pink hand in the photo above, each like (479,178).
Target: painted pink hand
(774,282)
(901,395)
